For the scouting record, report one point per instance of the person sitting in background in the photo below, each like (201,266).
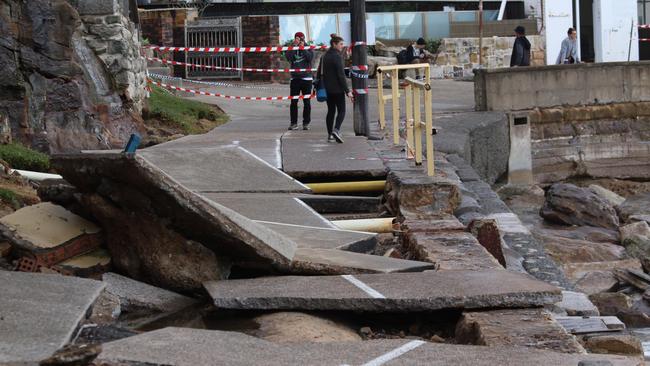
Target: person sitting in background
(414,54)
(521,49)
(569,51)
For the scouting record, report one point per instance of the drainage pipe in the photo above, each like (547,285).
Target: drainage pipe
(382,225)
(35,176)
(348,187)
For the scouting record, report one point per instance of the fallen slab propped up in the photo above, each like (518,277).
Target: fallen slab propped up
(386,292)
(138,186)
(39,313)
(190,347)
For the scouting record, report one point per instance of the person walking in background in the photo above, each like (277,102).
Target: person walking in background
(301,81)
(569,51)
(336,86)
(521,49)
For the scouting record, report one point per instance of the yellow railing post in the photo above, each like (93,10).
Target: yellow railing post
(408,94)
(395,96)
(417,122)
(380,99)
(428,112)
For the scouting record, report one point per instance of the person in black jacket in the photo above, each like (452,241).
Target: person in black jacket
(521,49)
(336,86)
(301,81)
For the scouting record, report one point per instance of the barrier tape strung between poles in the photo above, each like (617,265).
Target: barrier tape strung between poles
(242,49)
(246,69)
(212,83)
(644,26)
(232,97)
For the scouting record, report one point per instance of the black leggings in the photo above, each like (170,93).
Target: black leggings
(335,102)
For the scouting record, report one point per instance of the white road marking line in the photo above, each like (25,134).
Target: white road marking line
(365,288)
(394,353)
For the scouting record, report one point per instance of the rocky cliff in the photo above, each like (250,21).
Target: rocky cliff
(71,77)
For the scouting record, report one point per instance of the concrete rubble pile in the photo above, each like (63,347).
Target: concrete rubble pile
(216,253)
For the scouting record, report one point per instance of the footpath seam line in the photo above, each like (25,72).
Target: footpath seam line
(363,287)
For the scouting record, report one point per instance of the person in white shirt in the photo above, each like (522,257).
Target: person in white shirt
(569,51)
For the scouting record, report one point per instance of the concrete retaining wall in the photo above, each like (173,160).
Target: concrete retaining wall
(548,86)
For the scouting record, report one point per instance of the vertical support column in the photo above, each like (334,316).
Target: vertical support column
(394,82)
(359,58)
(520,163)
(410,142)
(417,122)
(380,99)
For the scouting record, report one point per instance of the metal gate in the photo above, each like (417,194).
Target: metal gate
(217,32)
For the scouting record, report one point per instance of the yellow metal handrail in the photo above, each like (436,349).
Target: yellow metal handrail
(394,96)
(414,124)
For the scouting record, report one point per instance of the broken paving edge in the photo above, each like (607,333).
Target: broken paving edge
(238,232)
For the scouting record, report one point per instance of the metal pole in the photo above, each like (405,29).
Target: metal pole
(480,34)
(629,50)
(359,58)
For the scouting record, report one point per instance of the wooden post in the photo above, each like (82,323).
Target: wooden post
(359,58)
(410,141)
(380,100)
(394,88)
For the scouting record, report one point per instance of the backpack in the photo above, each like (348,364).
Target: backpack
(402,57)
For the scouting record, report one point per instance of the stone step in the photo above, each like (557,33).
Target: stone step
(41,312)
(184,346)
(386,292)
(324,238)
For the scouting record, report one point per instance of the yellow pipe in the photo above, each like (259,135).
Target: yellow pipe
(348,187)
(383,225)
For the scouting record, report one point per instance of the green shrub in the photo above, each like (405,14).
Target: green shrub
(433,45)
(21,157)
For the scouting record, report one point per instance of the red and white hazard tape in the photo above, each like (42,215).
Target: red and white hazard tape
(241,49)
(644,26)
(245,69)
(644,39)
(219,95)
(360,91)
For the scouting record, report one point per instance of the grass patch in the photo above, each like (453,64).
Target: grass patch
(24,158)
(183,114)
(10,198)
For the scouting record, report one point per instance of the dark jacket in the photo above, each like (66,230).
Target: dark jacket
(333,73)
(300,59)
(520,52)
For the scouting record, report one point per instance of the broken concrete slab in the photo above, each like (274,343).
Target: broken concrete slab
(89,265)
(135,295)
(305,158)
(189,347)
(221,169)
(451,251)
(326,261)
(590,324)
(595,277)
(533,328)
(139,188)
(281,208)
(577,304)
(39,313)
(420,196)
(385,292)
(324,238)
(49,234)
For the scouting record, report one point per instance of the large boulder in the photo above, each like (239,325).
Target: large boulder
(637,206)
(571,205)
(636,239)
(609,196)
(630,309)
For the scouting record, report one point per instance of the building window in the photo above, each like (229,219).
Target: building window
(320,28)
(290,24)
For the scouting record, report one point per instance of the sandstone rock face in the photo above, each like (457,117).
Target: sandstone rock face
(614,344)
(69,82)
(595,277)
(609,196)
(571,205)
(636,239)
(293,327)
(638,206)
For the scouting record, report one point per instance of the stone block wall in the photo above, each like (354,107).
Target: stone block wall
(260,31)
(459,56)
